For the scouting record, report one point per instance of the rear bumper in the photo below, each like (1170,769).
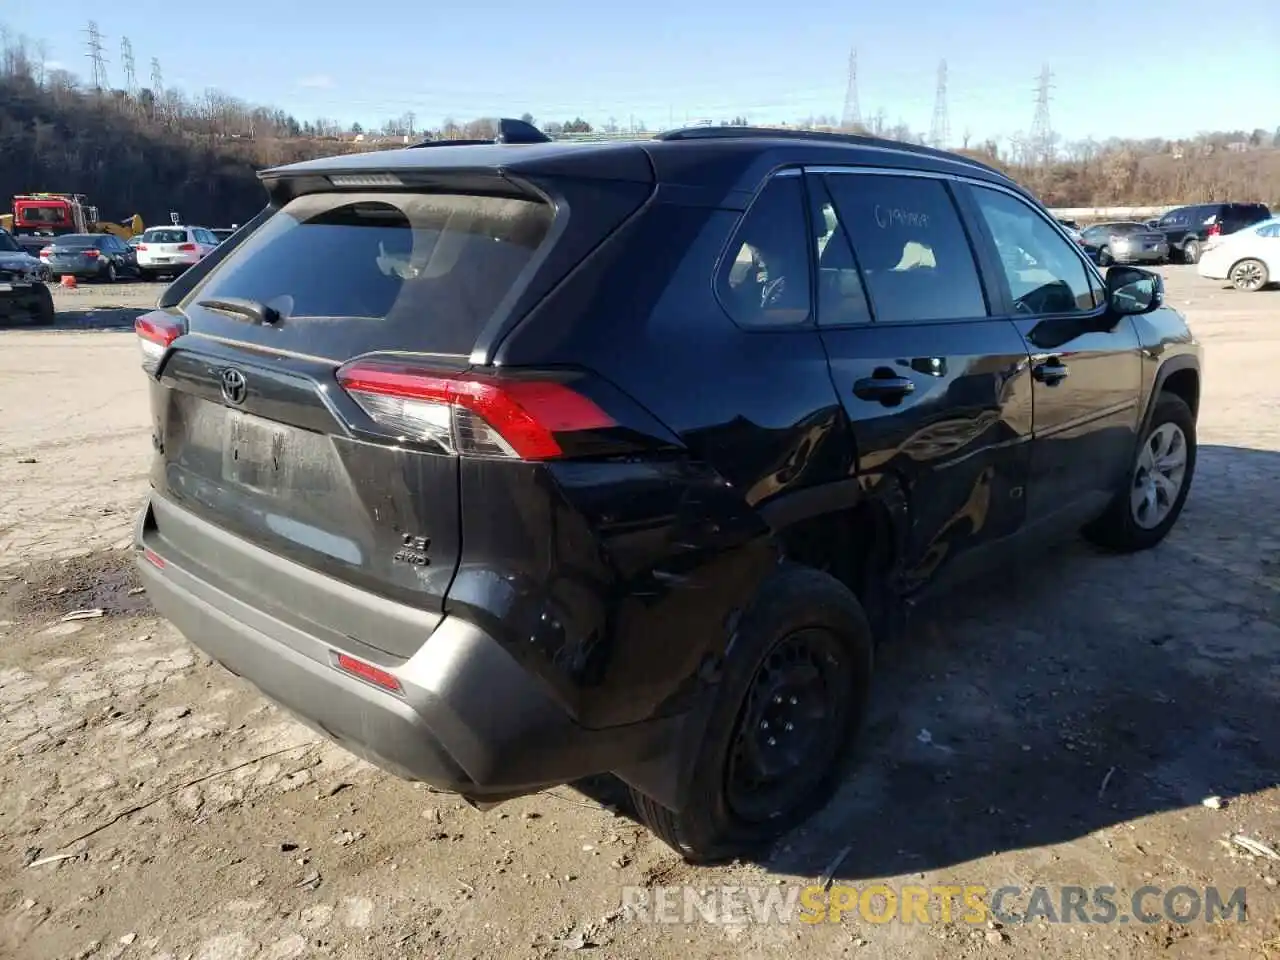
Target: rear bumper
(1141,256)
(77,269)
(157,267)
(469,718)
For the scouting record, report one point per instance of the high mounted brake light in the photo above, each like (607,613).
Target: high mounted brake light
(155,333)
(470,414)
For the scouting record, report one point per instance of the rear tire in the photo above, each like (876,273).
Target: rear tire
(1191,251)
(1249,275)
(109,275)
(1156,485)
(787,709)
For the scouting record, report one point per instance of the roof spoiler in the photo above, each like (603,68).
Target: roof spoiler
(509,131)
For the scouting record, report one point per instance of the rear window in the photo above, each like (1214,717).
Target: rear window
(165,236)
(77,242)
(435,266)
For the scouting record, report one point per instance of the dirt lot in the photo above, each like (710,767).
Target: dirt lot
(1077,717)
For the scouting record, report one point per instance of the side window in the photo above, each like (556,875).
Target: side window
(910,246)
(1044,272)
(842,299)
(765,282)
(1270,230)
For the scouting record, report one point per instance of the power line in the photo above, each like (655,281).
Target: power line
(126,60)
(96,58)
(852,116)
(940,129)
(1041,139)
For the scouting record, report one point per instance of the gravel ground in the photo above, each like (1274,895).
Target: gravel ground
(1077,714)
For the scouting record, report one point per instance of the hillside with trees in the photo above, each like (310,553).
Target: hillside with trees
(152,151)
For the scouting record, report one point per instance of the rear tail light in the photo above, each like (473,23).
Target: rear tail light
(1215,230)
(470,414)
(187,248)
(91,252)
(142,246)
(155,333)
(46,251)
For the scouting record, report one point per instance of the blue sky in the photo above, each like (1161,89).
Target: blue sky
(1166,70)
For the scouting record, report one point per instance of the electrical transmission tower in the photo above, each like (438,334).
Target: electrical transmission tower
(157,78)
(1041,139)
(97,58)
(126,60)
(852,111)
(940,129)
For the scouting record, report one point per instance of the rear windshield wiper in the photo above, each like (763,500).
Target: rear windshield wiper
(237,306)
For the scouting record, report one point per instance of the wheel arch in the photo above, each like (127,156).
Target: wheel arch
(1180,376)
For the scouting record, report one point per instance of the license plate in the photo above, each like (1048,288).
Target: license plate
(256,455)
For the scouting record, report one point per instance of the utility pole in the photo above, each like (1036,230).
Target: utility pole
(126,59)
(852,116)
(96,58)
(157,78)
(1041,139)
(940,129)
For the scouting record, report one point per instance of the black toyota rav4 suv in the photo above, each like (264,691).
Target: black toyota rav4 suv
(508,464)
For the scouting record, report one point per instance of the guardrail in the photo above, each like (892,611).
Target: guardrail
(1110,213)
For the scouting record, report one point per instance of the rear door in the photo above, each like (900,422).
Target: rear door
(256,434)
(936,390)
(1085,362)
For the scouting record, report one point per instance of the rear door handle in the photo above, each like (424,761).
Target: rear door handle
(888,390)
(1050,372)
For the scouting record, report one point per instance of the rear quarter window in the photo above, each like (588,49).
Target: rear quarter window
(435,265)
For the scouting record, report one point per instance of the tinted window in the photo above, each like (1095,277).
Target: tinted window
(910,245)
(1175,218)
(841,296)
(165,236)
(765,281)
(76,241)
(433,263)
(8,244)
(1270,230)
(1044,273)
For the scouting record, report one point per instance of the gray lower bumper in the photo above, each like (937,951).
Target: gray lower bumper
(469,718)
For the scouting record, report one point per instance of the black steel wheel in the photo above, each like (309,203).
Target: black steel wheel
(791,727)
(802,656)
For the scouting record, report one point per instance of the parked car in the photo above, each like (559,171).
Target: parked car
(1188,228)
(23,294)
(90,256)
(1126,242)
(221,233)
(537,479)
(1249,258)
(168,251)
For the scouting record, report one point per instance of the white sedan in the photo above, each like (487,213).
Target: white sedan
(1249,258)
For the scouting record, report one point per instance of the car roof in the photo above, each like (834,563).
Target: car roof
(725,158)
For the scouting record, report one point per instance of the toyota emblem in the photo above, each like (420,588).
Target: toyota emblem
(234,387)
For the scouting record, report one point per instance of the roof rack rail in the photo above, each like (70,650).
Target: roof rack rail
(509,131)
(780,133)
